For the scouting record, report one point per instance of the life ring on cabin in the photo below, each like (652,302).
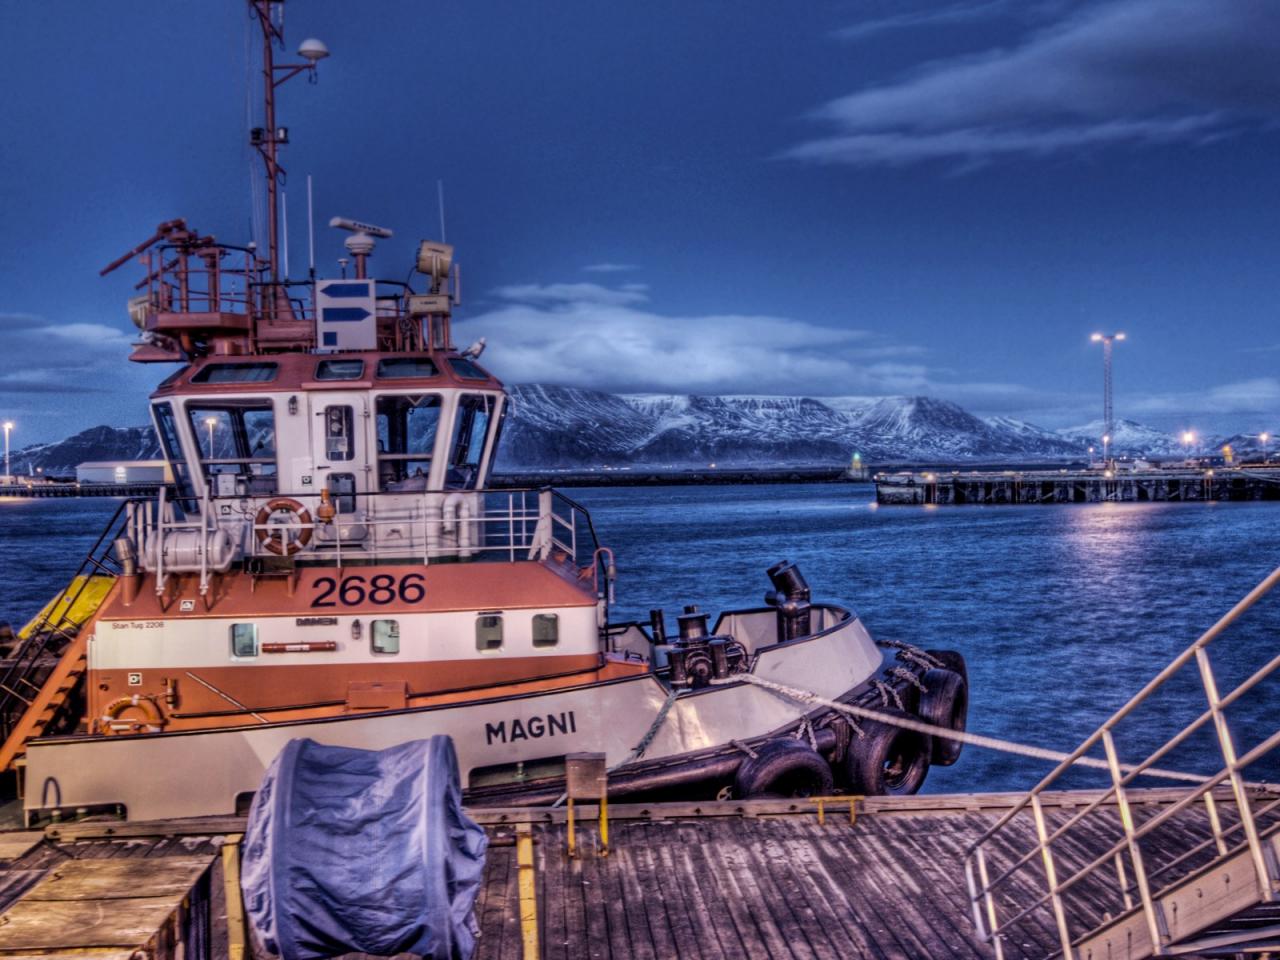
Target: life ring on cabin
(783,768)
(887,760)
(114,720)
(275,540)
(944,703)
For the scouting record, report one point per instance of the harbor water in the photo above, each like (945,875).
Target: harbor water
(1062,612)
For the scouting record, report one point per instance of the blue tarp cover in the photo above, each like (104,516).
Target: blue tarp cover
(363,850)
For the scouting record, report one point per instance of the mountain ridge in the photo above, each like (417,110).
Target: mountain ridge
(557,427)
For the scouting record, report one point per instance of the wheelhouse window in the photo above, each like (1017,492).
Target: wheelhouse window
(237,444)
(546,629)
(470,430)
(339,369)
(489,632)
(244,640)
(406,438)
(403,368)
(167,428)
(385,636)
(466,370)
(236,373)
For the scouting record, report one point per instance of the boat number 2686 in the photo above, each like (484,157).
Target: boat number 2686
(379,589)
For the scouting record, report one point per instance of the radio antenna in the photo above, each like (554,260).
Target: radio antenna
(440,200)
(311,232)
(284,224)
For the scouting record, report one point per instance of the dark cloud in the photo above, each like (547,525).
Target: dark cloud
(1131,71)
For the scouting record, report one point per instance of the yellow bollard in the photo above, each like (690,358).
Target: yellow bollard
(604,825)
(573,850)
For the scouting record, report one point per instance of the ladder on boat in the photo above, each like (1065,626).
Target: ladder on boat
(38,681)
(1199,875)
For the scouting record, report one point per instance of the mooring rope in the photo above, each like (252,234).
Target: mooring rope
(643,745)
(974,739)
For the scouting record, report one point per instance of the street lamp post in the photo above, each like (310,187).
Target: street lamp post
(1106,444)
(1264,437)
(1188,438)
(211,422)
(8,474)
(1107,339)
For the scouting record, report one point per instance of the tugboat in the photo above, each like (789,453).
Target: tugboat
(331,562)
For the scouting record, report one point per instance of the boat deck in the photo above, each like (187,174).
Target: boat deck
(683,880)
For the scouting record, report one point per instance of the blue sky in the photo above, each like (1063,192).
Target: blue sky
(852,198)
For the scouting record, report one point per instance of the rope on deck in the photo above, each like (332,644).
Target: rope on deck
(974,739)
(643,745)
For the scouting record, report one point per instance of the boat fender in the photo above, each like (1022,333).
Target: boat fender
(274,541)
(783,768)
(151,721)
(952,660)
(944,703)
(887,760)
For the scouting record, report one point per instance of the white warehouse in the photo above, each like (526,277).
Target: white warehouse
(123,471)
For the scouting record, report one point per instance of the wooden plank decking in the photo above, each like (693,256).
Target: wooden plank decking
(723,880)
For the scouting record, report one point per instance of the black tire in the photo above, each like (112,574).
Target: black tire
(945,703)
(888,761)
(783,768)
(952,660)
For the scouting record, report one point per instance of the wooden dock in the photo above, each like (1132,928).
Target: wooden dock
(988,487)
(720,880)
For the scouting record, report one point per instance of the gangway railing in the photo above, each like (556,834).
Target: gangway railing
(55,626)
(1220,836)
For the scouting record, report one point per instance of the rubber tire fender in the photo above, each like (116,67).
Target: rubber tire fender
(887,760)
(783,768)
(945,703)
(951,660)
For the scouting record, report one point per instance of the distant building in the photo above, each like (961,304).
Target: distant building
(123,471)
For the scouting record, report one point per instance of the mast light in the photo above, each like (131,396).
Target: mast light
(313,50)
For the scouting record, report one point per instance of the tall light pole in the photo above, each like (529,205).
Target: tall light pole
(8,428)
(1264,437)
(211,422)
(1188,438)
(1107,339)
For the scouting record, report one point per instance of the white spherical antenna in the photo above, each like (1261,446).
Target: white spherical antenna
(313,50)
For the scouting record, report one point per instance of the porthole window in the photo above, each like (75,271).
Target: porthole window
(489,632)
(244,639)
(385,636)
(546,629)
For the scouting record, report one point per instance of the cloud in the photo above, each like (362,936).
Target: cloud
(1131,71)
(610,268)
(574,293)
(606,338)
(1257,395)
(959,13)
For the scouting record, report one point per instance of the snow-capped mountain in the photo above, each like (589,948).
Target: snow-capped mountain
(552,427)
(1130,439)
(97,443)
(585,428)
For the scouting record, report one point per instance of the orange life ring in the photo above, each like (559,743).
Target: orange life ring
(152,720)
(275,541)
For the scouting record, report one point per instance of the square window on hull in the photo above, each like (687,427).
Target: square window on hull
(546,629)
(385,636)
(244,639)
(489,632)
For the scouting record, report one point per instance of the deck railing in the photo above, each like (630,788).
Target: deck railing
(53,628)
(1010,884)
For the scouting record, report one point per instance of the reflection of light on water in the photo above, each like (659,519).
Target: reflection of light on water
(13,499)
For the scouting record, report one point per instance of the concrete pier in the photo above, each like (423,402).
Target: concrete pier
(1078,486)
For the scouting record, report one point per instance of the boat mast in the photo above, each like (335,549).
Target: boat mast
(269,138)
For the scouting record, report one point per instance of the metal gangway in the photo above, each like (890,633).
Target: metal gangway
(1197,876)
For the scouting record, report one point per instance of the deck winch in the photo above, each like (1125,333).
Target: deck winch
(697,658)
